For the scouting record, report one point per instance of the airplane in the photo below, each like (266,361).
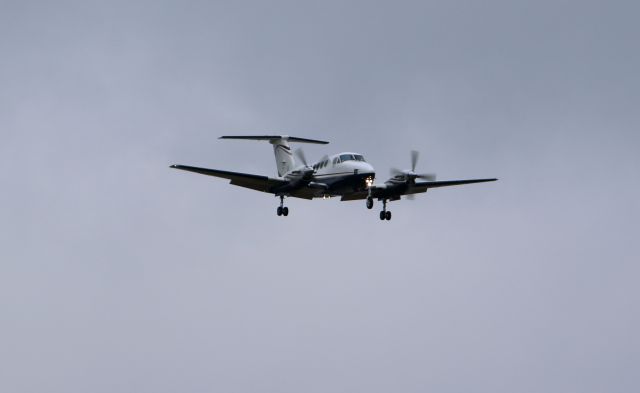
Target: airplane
(346,175)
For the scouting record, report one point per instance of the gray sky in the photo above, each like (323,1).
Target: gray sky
(118,274)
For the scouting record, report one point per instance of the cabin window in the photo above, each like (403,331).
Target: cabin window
(359,157)
(335,161)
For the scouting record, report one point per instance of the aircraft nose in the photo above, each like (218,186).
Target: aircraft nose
(364,168)
(368,173)
(367,168)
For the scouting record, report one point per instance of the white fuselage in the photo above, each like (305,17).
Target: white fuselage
(344,172)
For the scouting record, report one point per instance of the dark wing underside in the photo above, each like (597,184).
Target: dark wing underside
(425,185)
(254,182)
(418,187)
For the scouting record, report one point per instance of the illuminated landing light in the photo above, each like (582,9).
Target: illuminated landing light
(368,181)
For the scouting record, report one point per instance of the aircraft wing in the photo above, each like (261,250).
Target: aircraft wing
(423,186)
(254,182)
(390,191)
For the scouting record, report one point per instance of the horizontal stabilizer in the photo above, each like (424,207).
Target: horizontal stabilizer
(272,138)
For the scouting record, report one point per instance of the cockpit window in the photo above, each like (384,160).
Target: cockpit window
(346,157)
(359,157)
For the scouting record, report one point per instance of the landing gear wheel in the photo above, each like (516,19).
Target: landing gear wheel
(282,210)
(384,214)
(369,203)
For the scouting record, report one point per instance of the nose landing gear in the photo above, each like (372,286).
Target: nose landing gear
(369,203)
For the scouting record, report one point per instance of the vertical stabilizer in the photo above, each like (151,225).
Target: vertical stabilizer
(285,160)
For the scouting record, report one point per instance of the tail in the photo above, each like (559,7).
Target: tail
(285,160)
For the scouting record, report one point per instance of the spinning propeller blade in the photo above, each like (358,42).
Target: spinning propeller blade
(427,176)
(300,154)
(411,175)
(396,172)
(414,159)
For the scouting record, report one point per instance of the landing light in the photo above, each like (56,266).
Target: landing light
(368,181)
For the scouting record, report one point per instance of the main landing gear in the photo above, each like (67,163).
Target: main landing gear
(384,214)
(282,210)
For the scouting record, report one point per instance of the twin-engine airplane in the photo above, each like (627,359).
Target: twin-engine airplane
(346,175)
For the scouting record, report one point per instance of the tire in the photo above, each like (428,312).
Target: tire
(279,211)
(388,215)
(369,203)
(285,211)
(382,215)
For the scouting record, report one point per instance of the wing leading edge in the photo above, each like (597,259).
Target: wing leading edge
(247,180)
(446,183)
(254,182)
(386,191)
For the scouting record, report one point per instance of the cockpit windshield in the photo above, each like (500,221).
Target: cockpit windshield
(346,157)
(351,157)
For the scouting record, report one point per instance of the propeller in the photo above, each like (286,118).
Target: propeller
(411,175)
(414,159)
(300,155)
(307,171)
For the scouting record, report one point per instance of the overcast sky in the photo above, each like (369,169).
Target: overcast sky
(118,274)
